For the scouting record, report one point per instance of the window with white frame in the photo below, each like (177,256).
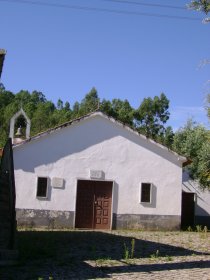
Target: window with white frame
(145,192)
(42,187)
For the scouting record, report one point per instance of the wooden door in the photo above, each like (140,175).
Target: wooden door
(102,205)
(93,205)
(84,205)
(188,210)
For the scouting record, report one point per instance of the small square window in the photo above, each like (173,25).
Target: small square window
(42,183)
(146,192)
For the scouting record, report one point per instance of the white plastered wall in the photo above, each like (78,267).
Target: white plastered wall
(97,143)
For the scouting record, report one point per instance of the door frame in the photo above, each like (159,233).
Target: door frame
(75,204)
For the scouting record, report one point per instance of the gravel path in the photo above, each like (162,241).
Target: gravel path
(61,255)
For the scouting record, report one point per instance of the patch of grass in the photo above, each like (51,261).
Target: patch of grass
(169,258)
(156,255)
(103,261)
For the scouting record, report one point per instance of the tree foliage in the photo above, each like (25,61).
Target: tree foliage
(43,113)
(208,105)
(118,109)
(152,115)
(193,141)
(201,5)
(90,103)
(149,118)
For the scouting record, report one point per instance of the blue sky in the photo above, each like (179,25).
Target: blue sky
(64,48)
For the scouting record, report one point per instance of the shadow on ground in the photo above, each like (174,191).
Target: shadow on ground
(65,255)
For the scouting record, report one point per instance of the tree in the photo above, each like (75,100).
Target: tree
(90,103)
(204,166)
(122,111)
(59,104)
(38,97)
(201,5)
(193,142)
(152,115)
(106,107)
(119,109)
(208,105)
(42,118)
(167,138)
(22,97)
(6,97)
(76,108)
(67,106)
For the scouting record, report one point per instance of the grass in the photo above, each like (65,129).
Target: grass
(169,258)
(156,255)
(129,252)
(103,261)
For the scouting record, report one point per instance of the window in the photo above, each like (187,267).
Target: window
(42,183)
(146,192)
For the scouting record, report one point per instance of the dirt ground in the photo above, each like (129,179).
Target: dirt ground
(59,255)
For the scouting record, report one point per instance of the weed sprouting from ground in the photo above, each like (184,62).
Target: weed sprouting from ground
(126,252)
(189,229)
(198,228)
(155,255)
(132,248)
(129,252)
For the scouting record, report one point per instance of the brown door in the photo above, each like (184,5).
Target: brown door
(93,205)
(188,210)
(84,205)
(102,205)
